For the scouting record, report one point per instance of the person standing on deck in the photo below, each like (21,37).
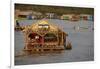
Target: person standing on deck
(17,23)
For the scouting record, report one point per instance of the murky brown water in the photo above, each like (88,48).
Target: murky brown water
(82,44)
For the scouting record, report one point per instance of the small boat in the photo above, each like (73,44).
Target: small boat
(18,27)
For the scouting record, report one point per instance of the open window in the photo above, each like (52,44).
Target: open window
(43,27)
(35,36)
(50,37)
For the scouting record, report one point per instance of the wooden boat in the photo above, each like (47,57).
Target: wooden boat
(43,36)
(17,26)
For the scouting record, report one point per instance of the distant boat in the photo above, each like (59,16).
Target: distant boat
(18,27)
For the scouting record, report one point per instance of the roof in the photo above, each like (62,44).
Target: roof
(35,26)
(43,22)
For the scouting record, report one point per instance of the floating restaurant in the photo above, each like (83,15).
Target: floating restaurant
(43,36)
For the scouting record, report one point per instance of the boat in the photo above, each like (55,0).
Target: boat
(18,27)
(43,36)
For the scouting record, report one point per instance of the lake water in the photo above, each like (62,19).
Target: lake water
(82,44)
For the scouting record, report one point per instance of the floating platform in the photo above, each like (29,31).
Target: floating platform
(43,37)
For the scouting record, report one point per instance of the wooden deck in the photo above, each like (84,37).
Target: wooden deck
(45,49)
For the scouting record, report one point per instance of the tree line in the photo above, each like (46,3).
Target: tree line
(59,10)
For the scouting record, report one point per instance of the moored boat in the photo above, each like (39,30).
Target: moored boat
(44,36)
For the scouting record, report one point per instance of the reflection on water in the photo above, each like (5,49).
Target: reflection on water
(82,44)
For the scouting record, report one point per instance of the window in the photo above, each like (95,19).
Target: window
(43,27)
(50,37)
(35,37)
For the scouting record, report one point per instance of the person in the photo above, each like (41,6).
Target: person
(17,23)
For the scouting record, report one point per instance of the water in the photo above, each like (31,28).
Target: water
(82,44)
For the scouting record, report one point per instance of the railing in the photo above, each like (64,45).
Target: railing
(51,43)
(45,45)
